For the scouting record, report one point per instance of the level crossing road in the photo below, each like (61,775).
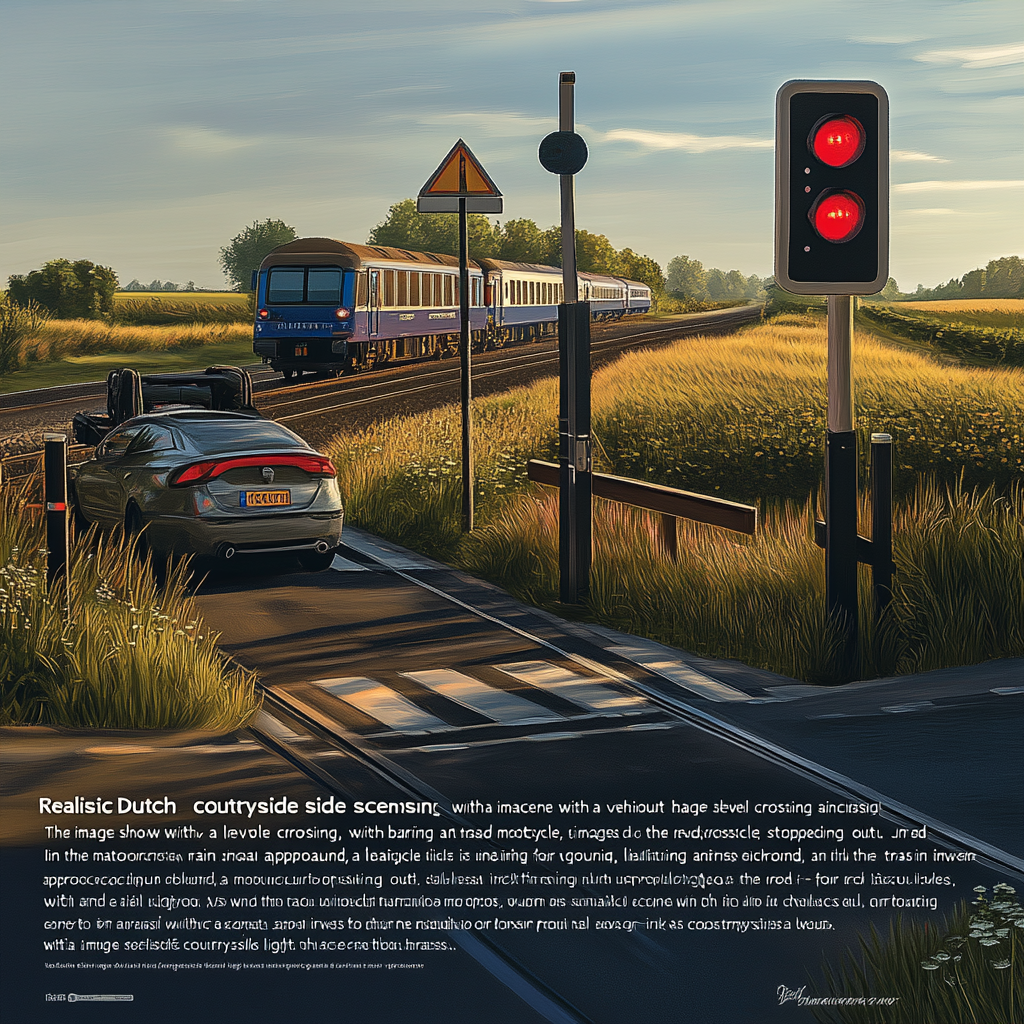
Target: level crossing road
(453,692)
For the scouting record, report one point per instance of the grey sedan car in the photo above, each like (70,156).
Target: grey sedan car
(226,485)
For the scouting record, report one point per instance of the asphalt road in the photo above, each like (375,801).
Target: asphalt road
(957,759)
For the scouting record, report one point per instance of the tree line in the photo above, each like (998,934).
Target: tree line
(1000,279)
(518,241)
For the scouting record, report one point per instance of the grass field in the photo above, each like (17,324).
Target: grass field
(237,351)
(172,298)
(740,417)
(996,313)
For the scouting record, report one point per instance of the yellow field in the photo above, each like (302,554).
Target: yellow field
(241,298)
(964,305)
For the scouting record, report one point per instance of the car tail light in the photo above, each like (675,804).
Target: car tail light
(202,472)
(263,314)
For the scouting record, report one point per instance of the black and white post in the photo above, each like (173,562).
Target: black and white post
(55,495)
(564,153)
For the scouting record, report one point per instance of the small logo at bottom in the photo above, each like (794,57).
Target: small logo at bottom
(75,998)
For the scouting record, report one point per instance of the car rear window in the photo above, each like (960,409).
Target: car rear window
(222,435)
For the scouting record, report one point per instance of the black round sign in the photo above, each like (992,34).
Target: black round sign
(563,153)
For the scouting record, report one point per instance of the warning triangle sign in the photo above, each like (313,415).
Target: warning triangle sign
(460,174)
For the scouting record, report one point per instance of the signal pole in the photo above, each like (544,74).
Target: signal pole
(564,153)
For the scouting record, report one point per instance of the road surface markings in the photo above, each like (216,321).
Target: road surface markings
(344,565)
(586,693)
(382,703)
(682,675)
(498,705)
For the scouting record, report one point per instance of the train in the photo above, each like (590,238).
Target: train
(328,307)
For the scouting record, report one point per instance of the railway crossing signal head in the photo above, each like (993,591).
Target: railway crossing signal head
(832,188)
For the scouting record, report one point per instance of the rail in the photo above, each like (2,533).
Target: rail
(670,502)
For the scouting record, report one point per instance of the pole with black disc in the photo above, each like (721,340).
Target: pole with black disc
(564,153)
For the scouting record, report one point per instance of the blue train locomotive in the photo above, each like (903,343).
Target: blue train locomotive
(325,306)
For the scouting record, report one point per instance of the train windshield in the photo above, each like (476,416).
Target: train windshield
(314,285)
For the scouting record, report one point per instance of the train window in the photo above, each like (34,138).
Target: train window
(449,290)
(429,289)
(361,289)
(286,285)
(324,285)
(389,287)
(403,288)
(414,288)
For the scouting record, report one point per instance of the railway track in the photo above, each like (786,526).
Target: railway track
(324,748)
(410,381)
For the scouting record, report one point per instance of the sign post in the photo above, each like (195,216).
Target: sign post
(832,238)
(461,185)
(565,153)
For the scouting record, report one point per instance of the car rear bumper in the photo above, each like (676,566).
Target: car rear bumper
(257,534)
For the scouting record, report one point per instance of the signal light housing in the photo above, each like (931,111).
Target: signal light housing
(832,188)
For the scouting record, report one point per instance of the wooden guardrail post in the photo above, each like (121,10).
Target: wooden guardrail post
(671,503)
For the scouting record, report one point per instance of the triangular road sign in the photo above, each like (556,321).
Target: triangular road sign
(460,174)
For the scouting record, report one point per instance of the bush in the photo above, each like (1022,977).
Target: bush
(80,290)
(16,323)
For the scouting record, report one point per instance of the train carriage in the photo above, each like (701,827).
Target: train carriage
(326,306)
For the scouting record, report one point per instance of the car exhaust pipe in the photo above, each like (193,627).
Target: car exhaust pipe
(227,552)
(322,547)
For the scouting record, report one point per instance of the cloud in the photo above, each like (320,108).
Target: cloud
(893,40)
(997,56)
(931,211)
(211,141)
(955,186)
(906,156)
(496,124)
(685,142)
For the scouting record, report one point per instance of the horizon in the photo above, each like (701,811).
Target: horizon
(153,134)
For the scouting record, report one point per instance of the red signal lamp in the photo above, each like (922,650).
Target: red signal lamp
(838,140)
(838,216)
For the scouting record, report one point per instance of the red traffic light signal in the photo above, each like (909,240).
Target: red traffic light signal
(832,188)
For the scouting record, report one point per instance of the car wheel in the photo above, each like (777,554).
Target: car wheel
(133,527)
(77,517)
(287,374)
(314,561)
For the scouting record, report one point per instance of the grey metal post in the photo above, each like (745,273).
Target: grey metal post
(881,520)
(566,187)
(574,444)
(55,497)
(465,346)
(841,477)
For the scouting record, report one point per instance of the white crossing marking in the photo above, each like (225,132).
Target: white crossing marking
(581,690)
(382,703)
(489,701)
(1004,691)
(392,559)
(344,565)
(682,675)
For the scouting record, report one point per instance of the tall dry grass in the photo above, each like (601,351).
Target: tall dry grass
(111,649)
(741,417)
(58,339)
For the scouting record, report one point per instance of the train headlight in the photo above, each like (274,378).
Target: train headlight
(263,314)
(342,314)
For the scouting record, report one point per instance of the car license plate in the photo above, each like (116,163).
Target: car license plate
(263,499)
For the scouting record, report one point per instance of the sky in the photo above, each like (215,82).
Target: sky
(145,134)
